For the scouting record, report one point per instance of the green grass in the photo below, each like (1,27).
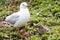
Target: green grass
(45,12)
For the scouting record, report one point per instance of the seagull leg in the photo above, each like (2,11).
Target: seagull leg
(18,29)
(24,32)
(19,32)
(23,27)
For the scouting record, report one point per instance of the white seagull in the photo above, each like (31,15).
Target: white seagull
(19,18)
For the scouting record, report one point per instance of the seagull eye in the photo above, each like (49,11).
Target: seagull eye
(23,5)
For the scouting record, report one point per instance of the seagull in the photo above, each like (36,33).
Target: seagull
(20,18)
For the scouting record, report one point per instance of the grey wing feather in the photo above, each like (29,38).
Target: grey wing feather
(12,18)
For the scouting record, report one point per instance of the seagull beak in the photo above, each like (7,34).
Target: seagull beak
(28,6)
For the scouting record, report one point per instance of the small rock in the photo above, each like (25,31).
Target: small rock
(42,29)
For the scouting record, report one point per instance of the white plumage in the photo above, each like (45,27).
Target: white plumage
(19,18)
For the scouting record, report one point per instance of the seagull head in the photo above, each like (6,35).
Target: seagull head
(24,5)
